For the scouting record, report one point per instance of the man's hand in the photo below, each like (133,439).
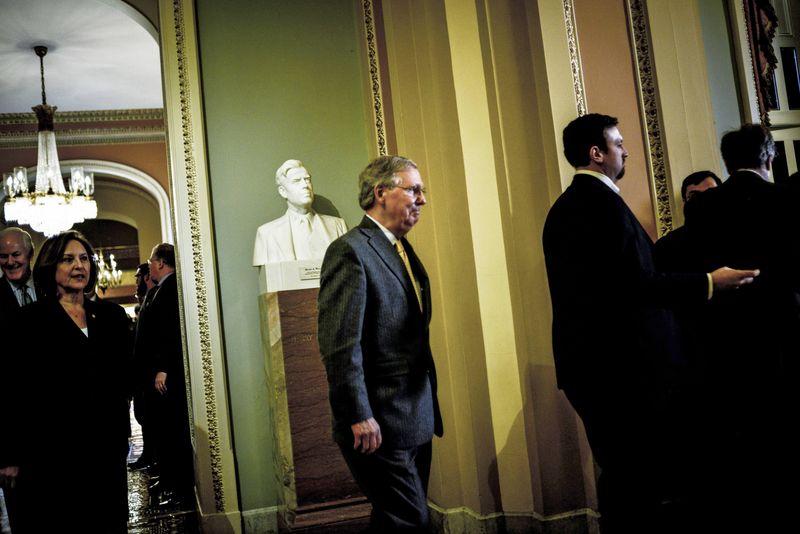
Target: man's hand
(727,278)
(8,476)
(367,436)
(161,382)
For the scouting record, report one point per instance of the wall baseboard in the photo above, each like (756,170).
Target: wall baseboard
(459,520)
(260,520)
(463,520)
(222,523)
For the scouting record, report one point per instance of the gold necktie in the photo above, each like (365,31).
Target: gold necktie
(402,252)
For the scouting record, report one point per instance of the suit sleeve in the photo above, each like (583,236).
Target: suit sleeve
(167,347)
(342,304)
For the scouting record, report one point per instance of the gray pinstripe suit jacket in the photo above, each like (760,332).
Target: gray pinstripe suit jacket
(374,339)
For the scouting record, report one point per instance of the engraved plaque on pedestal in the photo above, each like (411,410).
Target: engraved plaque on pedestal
(289,275)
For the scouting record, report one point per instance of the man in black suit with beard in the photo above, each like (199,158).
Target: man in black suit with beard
(751,340)
(614,340)
(374,311)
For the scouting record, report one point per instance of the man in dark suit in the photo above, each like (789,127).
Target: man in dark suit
(159,366)
(675,249)
(374,311)
(146,459)
(16,290)
(602,280)
(678,251)
(751,343)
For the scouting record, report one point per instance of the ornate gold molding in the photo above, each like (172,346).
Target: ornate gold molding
(375,78)
(94,136)
(197,260)
(113,115)
(575,57)
(648,104)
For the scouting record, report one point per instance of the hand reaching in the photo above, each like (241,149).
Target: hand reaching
(727,278)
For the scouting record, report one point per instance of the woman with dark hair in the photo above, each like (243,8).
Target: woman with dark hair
(72,393)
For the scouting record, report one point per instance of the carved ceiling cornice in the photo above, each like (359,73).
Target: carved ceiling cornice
(103,127)
(94,136)
(112,115)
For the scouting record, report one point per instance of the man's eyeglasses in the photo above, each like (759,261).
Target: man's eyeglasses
(413,190)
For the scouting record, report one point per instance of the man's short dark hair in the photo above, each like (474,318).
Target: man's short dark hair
(695,178)
(166,253)
(749,147)
(583,133)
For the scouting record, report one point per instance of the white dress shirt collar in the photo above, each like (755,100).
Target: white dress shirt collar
(389,235)
(602,177)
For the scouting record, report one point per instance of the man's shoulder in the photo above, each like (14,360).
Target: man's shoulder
(356,237)
(170,283)
(585,196)
(672,236)
(669,247)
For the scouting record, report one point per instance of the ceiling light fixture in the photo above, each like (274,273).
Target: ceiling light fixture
(50,209)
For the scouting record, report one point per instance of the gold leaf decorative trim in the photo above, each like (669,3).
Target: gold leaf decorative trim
(648,103)
(113,115)
(575,58)
(375,78)
(187,136)
(94,136)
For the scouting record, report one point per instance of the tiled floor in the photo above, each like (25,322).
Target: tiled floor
(145,517)
(4,528)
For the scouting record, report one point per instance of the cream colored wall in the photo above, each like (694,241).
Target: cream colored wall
(479,115)
(421,87)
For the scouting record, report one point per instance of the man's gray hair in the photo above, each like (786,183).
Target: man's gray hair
(26,237)
(380,172)
(283,170)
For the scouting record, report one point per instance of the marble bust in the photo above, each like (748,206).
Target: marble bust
(300,233)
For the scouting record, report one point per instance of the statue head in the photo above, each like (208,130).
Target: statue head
(294,184)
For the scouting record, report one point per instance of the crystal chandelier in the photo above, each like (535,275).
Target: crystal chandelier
(50,209)
(107,273)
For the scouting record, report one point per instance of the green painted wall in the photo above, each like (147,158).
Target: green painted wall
(722,79)
(280,80)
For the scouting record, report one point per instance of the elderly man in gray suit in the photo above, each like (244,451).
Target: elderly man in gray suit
(374,311)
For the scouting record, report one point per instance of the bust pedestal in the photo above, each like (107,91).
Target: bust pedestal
(311,470)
